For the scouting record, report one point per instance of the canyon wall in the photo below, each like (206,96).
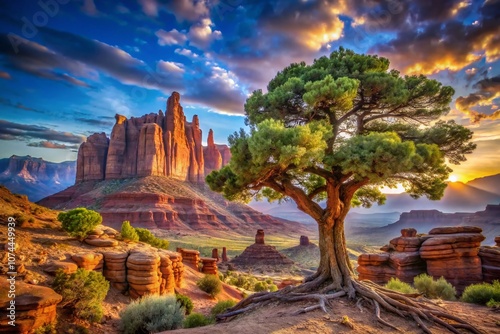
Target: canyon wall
(154,144)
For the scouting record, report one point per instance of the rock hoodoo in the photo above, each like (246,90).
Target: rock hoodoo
(151,145)
(451,252)
(261,254)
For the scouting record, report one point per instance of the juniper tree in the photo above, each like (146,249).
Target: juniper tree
(336,131)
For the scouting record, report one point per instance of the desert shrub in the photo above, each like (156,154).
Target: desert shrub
(221,307)
(431,288)
(20,218)
(272,287)
(31,220)
(396,285)
(79,222)
(47,329)
(482,293)
(151,314)
(260,286)
(83,291)
(269,281)
(196,320)
(210,284)
(128,232)
(185,302)
(146,236)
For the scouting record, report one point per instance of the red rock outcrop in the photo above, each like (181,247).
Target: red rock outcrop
(91,161)
(260,254)
(154,144)
(213,157)
(451,252)
(209,265)
(190,257)
(35,307)
(143,273)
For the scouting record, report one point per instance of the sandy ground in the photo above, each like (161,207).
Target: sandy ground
(276,318)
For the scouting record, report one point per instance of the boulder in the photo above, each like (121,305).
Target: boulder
(35,307)
(101,242)
(89,261)
(53,266)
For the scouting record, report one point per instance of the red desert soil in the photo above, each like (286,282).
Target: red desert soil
(278,319)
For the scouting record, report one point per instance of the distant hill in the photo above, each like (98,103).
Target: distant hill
(159,202)
(424,220)
(458,197)
(36,177)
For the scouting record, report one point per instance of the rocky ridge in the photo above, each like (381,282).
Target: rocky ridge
(152,145)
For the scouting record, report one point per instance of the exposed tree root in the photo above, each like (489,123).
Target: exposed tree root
(411,306)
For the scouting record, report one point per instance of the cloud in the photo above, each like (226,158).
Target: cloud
(49,144)
(201,34)
(102,122)
(439,46)
(172,37)
(487,90)
(187,53)
(183,10)
(17,131)
(40,61)
(18,105)
(170,67)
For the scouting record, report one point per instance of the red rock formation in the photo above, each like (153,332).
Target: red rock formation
(91,161)
(213,157)
(153,144)
(224,254)
(260,254)
(451,252)
(35,306)
(151,156)
(196,161)
(209,266)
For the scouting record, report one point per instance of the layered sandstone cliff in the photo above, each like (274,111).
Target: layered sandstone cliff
(152,145)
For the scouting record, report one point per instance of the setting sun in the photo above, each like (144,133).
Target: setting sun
(453,178)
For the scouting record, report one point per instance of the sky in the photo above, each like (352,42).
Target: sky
(68,66)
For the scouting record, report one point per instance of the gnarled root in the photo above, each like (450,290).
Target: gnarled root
(411,306)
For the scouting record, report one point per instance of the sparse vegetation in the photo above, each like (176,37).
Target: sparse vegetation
(210,284)
(196,320)
(221,307)
(396,285)
(185,302)
(79,222)
(128,233)
(249,282)
(82,291)
(431,288)
(483,294)
(152,314)
(20,218)
(146,236)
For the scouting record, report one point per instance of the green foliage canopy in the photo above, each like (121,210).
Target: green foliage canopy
(79,222)
(338,129)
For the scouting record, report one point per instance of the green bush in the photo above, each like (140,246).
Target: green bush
(79,222)
(221,307)
(185,302)
(482,293)
(272,287)
(210,284)
(426,285)
(83,291)
(396,285)
(20,218)
(146,236)
(260,286)
(196,320)
(128,233)
(151,314)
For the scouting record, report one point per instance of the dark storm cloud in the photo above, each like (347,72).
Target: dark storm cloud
(22,132)
(487,91)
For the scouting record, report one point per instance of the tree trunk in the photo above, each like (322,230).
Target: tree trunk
(334,265)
